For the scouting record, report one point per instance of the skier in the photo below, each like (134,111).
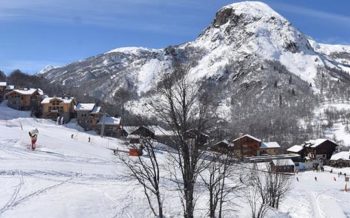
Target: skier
(89,139)
(34,136)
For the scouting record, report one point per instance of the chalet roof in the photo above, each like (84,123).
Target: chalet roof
(107,120)
(85,107)
(247,135)
(132,136)
(10,87)
(223,141)
(295,148)
(283,162)
(30,91)
(157,130)
(315,142)
(130,129)
(65,100)
(270,145)
(343,155)
(97,109)
(3,84)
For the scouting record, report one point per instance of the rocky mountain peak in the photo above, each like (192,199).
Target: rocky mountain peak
(250,10)
(247,42)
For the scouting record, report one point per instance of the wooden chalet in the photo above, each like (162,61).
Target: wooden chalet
(283,166)
(109,126)
(246,146)
(9,88)
(319,149)
(3,86)
(297,149)
(269,148)
(222,146)
(88,115)
(144,131)
(194,136)
(340,159)
(58,107)
(135,133)
(24,99)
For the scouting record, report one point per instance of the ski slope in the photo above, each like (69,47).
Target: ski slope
(63,177)
(67,177)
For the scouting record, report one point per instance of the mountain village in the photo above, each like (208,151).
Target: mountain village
(312,154)
(249,119)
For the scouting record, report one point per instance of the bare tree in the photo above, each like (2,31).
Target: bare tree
(278,184)
(187,112)
(220,169)
(266,188)
(146,170)
(256,194)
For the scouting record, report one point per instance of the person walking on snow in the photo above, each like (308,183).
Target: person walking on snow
(33,134)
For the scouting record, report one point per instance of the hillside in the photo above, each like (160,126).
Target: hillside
(256,61)
(67,177)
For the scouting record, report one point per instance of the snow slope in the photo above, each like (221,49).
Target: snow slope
(67,177)
(63,177)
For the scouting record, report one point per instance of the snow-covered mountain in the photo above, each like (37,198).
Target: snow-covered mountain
(239,31)
(253,57)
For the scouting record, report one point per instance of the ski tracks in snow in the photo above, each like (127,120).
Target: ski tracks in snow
(13,196)
(13,202)
(325,206)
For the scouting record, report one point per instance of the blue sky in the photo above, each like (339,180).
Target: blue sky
(37,33)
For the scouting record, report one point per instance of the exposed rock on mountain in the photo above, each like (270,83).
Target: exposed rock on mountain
(252,56)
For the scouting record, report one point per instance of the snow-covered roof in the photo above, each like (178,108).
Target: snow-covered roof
(97,109)
(30,91)
(343,155)
(10,87)
(249,136)
(295,148)
(130,129)
(107,120)
(223,141)
(270,145)
(132,136)
(85,107)
(315,142)
(157,130)
(65,100)
(3,83)
(283,162)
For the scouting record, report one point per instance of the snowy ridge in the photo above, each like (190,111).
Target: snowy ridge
(131,50)
(237,48)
